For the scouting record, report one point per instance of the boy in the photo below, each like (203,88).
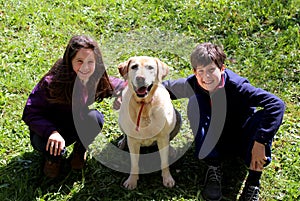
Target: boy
(223,117)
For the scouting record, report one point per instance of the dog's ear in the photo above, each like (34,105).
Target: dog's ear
(123,69)
(162,70)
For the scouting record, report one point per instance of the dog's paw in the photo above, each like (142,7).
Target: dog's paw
(130,183)
(168,181)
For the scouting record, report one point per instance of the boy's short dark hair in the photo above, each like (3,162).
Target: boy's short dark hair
(206,53)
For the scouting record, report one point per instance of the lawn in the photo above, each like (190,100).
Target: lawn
(261,40)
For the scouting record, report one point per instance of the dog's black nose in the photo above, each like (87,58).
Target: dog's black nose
(140,80)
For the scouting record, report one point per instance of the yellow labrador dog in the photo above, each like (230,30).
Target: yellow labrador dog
(146,114)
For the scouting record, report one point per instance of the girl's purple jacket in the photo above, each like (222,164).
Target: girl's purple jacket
(42,117)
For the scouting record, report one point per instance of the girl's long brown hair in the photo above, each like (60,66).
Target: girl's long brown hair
(63,76)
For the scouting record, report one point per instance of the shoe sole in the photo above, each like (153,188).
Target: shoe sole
(203,197)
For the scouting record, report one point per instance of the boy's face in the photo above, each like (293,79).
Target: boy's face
(209,77)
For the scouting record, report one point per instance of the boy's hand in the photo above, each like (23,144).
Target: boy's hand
(258,157)
(55,144)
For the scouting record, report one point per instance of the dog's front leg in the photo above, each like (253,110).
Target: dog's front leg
(134,148)
(163,146)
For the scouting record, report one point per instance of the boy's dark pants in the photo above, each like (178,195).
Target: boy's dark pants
(229,144)
(77,130)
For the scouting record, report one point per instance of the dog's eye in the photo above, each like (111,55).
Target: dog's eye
(134,67)
(150,67)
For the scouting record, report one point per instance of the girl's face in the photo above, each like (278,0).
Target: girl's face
(209,77)
(84,64)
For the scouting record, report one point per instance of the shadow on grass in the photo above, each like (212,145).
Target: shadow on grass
(22,179)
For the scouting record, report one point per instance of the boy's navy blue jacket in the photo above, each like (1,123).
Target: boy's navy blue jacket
(242,99)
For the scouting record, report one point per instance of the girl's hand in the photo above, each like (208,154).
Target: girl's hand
(55,144)
(117,103)
(258,157)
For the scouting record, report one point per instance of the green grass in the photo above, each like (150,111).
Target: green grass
(261,38)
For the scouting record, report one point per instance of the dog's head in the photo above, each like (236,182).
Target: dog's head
(143,73)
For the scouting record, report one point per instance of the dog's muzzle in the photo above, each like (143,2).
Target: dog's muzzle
(142,91)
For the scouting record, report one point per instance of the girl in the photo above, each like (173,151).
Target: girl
(57,110)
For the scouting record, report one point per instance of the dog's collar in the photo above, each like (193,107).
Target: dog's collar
(137,128)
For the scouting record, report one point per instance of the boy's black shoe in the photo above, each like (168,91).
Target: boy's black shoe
(250,193)
(212,190)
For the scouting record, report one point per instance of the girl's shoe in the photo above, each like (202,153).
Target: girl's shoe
(52,167)
(78,156)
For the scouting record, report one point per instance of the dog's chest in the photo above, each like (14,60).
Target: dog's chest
(149,122)
(148,116)
(145,121)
